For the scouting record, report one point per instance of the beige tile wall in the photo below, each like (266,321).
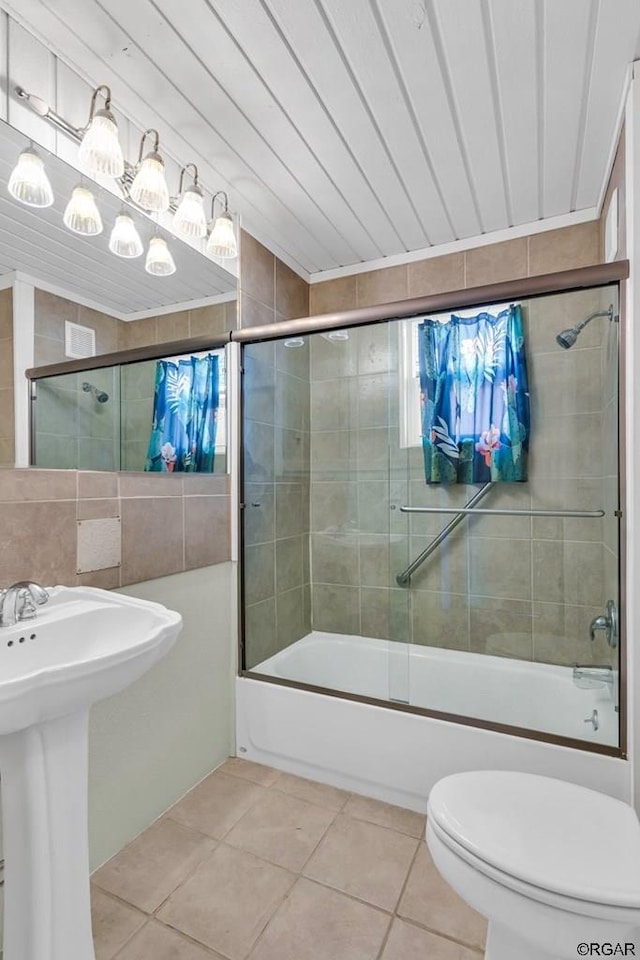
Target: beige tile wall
(169,524)
(506,586)
(276,466)
(576,246)
(52,311)
(7,446)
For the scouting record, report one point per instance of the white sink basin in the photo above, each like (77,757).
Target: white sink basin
(84,645)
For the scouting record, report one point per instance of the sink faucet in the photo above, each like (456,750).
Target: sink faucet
(19,602)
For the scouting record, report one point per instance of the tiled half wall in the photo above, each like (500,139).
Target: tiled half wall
(168,524)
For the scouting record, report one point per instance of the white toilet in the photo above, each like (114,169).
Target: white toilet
(554,867)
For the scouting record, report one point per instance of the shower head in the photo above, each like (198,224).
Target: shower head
(567,338)
(99,395)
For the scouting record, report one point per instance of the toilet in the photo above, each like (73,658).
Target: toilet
(554,867)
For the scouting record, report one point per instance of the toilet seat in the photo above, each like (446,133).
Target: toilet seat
(551,841)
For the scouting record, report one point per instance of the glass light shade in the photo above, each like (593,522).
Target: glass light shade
(222,242)
(29,182)
(125,240)
(100,150)
(190,219)
(82,214)
(159,260)
(149,188)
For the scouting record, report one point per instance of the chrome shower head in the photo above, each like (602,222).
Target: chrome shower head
(99,395)
(567,338)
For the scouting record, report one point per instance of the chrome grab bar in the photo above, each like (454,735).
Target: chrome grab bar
(504,512)
(403,578)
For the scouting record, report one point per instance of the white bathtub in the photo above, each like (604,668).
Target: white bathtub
(396,755)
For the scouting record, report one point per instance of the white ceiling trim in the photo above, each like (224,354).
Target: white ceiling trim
(459,246)
(622,109)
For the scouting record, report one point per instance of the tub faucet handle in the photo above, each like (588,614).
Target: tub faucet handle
(607,622)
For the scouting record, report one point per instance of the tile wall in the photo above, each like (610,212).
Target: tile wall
(169,524)
(276,465)
(504,586)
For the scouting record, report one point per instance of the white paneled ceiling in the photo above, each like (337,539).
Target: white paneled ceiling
(349,130)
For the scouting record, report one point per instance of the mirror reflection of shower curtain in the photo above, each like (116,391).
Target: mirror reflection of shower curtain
(185,407)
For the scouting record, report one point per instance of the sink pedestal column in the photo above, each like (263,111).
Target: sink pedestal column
(44,819)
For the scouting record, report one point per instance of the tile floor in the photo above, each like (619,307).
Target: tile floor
(258,864)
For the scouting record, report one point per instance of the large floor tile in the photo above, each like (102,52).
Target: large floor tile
(113,924)
(281,829)
(407,942)
(430,901)
(315,923)
(157,942)
(149,868)
(320,793)
(228,900)
(248,770)
(363,859)
(386,815)
(216,804)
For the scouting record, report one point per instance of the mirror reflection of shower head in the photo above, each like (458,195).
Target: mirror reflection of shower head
(99,395)
(567,338)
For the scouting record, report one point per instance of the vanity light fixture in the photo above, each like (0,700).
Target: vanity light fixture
(143,183)
(100,150)
(81,214)
(29,182)
(149,188)
(190,219)
(159,261)
(125,240)
(222,240)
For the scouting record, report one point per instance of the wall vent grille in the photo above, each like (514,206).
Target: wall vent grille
(79,341)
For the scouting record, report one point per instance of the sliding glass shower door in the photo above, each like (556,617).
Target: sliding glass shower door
(431,513)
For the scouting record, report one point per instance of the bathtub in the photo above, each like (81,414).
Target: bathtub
(396,755)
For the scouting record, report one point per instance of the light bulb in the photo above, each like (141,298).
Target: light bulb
(222,242)
(29,182)
(190,219)
(100,150)
(149,188)
(159,260)
(125,240)
(82,214)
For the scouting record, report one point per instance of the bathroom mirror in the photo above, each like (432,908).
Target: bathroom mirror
(66,278)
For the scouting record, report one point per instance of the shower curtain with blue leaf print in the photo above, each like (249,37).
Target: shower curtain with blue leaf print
(185,407)
(475,398)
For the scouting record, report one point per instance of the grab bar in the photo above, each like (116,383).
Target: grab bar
(403,578)
(504,512)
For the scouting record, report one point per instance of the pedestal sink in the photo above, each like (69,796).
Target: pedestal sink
(85,644)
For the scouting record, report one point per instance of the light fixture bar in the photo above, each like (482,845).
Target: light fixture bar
(42,108)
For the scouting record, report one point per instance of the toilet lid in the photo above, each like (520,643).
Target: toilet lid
(548,833)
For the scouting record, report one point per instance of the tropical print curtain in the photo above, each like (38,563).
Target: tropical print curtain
(185,406)
(475,398)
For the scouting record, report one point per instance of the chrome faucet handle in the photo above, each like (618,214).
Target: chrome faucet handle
(598,623)
(607,622)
